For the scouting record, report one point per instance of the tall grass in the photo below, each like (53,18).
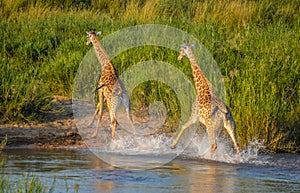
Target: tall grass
(255,43)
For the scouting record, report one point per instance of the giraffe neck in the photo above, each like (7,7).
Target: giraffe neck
(101,54)
(201,84)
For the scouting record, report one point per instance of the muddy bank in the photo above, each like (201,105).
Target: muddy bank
(56,128)
(40,137)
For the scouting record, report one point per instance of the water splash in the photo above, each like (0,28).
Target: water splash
(140,144)
(199,148)
(137,152)
(251,152)
(154,150)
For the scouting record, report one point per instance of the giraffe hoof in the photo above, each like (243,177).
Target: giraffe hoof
(213,148)
(239,153)
(173,146)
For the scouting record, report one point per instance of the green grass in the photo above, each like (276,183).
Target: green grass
(27,183)
(3,144)
(255,43)
(30,184)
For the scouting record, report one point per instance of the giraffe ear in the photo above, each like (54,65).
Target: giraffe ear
(184,47)
(192,46)
(98,34)
(87,33)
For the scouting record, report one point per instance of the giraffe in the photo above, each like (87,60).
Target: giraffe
(110,87)
(207,108)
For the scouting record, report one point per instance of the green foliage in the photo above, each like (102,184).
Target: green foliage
(2,145)
(28,184)
(255,43)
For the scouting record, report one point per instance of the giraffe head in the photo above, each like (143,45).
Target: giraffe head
(92,37)
(185,50)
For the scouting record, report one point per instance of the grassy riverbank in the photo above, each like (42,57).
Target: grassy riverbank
(255,43)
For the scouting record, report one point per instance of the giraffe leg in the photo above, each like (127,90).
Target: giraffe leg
(129,115)
(236,145)
(98,122)
(232,135)
(98,111)
(113,128)
(113,123)
(126,103)
(191,121)
(113,104)
(92,120)
(211,136)
(98,108)
(231,129)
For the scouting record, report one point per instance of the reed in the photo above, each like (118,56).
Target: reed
(255,43)
(27,183)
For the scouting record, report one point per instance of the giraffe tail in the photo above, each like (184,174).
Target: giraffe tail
(101,86)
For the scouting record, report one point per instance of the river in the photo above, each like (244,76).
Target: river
(80,169)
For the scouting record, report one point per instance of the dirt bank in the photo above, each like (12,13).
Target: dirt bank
(57,128)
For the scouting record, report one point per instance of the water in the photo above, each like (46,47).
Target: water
(80,168)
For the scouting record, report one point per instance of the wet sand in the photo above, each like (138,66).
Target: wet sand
(56,129)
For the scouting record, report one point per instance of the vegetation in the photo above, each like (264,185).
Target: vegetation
(255,43)
(30,184)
